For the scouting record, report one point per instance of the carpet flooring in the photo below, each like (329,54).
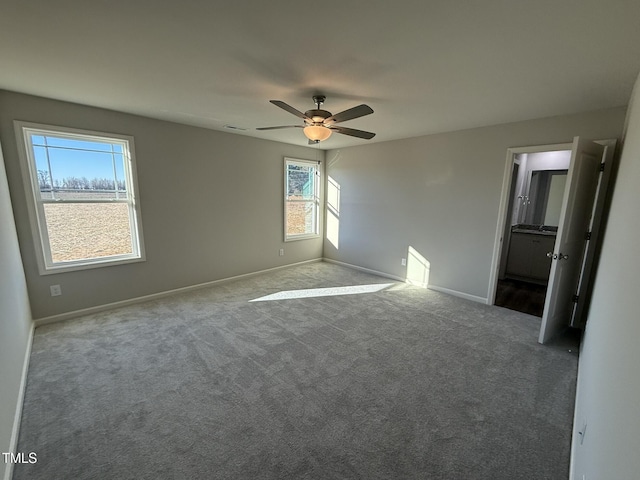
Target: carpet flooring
(310,372)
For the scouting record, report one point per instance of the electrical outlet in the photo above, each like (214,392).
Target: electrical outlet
(56,290)
(403,262)
(281,252)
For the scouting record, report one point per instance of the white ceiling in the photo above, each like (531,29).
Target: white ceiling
(424,66)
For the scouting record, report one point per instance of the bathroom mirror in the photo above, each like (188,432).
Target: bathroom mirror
(546,190)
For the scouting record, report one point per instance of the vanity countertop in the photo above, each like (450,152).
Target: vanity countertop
(535,230)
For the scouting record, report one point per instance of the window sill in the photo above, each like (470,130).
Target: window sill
(293,238)
(87,265)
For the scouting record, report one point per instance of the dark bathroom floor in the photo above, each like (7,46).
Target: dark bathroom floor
(521,296)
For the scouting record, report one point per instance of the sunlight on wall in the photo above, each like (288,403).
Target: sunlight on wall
(418,268)
(323,292)
(333,212)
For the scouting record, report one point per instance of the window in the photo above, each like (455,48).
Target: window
(301,199)
(82,197)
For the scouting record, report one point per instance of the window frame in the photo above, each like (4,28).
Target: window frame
(35,204)
(317,199)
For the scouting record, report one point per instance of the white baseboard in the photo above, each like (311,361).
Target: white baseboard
(123,303)
(436,288)
(363,269)
(456,293)
(15,431)
(145,298)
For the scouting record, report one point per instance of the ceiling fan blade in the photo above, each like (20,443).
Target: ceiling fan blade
(289,108)
(355,112)
(281,126)
(353,132)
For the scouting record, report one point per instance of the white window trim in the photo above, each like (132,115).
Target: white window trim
(318,199)
(36,207)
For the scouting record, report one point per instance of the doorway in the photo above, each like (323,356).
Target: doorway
(530,249)
(538,182)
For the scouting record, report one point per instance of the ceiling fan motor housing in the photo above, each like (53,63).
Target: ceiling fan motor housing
(318,116)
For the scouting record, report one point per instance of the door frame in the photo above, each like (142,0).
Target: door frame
(602,194)
(504,208)
(587,273)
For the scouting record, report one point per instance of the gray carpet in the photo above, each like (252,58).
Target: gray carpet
(395,382)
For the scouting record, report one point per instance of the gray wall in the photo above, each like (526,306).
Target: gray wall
(15,320)
(608,380)
(212,206)
(439,194)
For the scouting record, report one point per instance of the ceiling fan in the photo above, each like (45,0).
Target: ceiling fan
(319,124)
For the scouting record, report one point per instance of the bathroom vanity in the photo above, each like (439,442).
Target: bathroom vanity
(527,258)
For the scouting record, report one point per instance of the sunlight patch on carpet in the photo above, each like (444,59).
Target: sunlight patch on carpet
(324,292)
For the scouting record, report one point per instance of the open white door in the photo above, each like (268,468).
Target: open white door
(577,206)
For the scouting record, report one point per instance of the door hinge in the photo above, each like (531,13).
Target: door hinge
(575,298)
(587,236)
(601,167)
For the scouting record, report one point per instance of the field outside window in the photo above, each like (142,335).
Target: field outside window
(83,187)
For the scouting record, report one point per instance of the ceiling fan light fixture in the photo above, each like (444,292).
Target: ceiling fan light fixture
(317,133)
